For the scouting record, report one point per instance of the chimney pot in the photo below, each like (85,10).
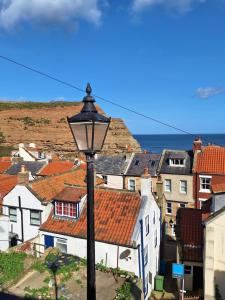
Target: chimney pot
(197,144)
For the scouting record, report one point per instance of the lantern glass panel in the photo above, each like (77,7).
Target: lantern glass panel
(82,133)
(100,130)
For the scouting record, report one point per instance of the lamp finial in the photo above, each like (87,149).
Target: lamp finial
(88,89)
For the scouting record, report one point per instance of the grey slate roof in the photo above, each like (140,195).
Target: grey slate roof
(141,161)
(165,168)
(33,166)
(111,165)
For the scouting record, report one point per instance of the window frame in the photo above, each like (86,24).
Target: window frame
(61,241)
(190,271)
(156,239)
(171,203)
(145,255)
(12,215)
(36,211)
(165,185)
(69,206)
(105,178)
(131,188)
(177,162)
(147,227)
(205,177)
(183,192)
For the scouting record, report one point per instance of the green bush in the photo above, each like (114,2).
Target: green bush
(124,292)
(11,266)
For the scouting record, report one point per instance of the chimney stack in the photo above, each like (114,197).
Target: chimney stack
(146,187)
(23,175)
(197,144)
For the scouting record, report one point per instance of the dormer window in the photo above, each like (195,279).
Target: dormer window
(66,209)
(176,162)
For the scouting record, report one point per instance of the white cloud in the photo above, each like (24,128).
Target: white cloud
(13,12)
(205,93)
(180,6)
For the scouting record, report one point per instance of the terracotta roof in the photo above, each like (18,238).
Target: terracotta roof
(7,183)
(71,194)
(116,214)
(56,167)
(4,165)
(211,160)
(190,233)
(218,187)
(5,158)
(48,187)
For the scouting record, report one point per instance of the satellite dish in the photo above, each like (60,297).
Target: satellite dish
(124,254)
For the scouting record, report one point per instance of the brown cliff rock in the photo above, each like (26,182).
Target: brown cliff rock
(48,128)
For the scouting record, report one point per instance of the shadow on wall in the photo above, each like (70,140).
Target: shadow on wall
(219,280)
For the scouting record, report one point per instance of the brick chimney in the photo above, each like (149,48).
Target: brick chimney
(23,175)
(146,183)
(197,144)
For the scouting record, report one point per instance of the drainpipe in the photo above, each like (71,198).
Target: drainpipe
(142,257)
(21,214)
(139,260)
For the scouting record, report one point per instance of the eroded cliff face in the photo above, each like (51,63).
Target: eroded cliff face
(48,128)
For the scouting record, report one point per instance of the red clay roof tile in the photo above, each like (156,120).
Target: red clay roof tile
(56,167)
(4,165)
(116,214)
(211,160)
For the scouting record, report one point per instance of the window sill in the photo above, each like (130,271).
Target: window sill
(183,193)
(37,225)
(205,191)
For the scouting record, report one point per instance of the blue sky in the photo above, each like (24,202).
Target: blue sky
(163,58)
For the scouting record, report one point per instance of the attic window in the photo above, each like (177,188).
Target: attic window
(136,162)
(65,209)
(177,162)
(152,163)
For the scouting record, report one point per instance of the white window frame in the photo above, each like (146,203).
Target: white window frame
(173,226)
(147,225)
(35,218)
(201,200)
(177,162)
(11,215)
(166,185)
(131,187)
(61,241)
(185,186)
(169,202)
(146,255)
(202,177)
(63,214)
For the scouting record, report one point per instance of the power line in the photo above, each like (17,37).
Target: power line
(96,96)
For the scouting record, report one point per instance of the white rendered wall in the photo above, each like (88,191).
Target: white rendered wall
(28,201)
(113,181)
(25,155)
(106,253)
(4,233)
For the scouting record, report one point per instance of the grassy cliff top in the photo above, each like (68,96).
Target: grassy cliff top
(4,105)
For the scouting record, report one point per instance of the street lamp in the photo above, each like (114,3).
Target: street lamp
(89,129)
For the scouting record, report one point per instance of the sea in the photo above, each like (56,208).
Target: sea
(157,142)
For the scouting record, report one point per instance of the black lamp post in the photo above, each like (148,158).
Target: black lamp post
(89,129)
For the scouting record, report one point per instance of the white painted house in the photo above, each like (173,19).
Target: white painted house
(127,229)
(113,169)
(30,153)
(28,205)
(4,232)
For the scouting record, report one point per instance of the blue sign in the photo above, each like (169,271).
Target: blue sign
(177,270)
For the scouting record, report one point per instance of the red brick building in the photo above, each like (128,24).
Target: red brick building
(208,170)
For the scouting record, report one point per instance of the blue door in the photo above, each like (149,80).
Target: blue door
(49,241)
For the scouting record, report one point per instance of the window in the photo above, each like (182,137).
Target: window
(146,285)
(188,270)
(35,217)
(169,207)
(153,217)
(155,238)
(177,162)
(136,162)
(146,255)
(182,205)
(167,185)
(152,163)
(131,185)
(61,244)
(66,209)
(147,225)
(183,186)
(105,178)
(173,227)
(205,184)
(12,214)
